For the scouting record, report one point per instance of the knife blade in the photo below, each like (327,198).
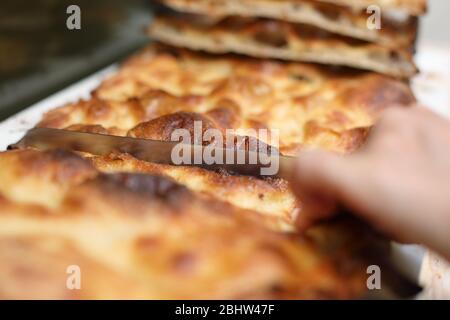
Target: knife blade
(163,152)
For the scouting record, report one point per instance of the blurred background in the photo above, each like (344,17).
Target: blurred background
(39,55)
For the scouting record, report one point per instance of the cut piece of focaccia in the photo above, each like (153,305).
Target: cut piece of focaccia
(68,231)
(412,7)
(396,31)
(281,40)
(162,89)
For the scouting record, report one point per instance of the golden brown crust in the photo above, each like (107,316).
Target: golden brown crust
(280,40)
(333,18)
(147,237)
(414,7)
(271,197)
(94,112)
(165,232)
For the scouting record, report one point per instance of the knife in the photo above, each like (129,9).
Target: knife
(163,152)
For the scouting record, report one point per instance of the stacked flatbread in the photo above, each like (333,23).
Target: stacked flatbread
(372,35)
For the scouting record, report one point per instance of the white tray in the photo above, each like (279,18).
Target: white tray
(431,87)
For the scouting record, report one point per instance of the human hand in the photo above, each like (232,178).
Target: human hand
(399,181)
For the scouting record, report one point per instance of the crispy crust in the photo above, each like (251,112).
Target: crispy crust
(147,237)
(161,89)
(336,19)
(234,92)
(281,40)
(413,7)
(164,232)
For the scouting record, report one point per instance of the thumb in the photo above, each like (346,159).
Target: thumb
(320,180)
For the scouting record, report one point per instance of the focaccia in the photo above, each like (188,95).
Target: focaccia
(395,31)
(141,230)
(162,89)
(136,236)
(268,38)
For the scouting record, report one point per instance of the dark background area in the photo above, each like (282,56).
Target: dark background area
(39,55)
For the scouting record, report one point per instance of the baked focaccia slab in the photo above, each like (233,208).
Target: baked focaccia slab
(336,17)
(144,236)
(412,7)
(277,39)
(162,89)
(144,230)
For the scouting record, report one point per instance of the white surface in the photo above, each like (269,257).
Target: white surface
(14,128)
(435,25)
(432,88)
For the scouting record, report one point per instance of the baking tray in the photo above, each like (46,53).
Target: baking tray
(431,87)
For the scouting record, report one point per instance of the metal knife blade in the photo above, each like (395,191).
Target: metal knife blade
(157,151)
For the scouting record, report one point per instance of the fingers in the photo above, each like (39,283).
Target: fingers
(397,182)
(320,180)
